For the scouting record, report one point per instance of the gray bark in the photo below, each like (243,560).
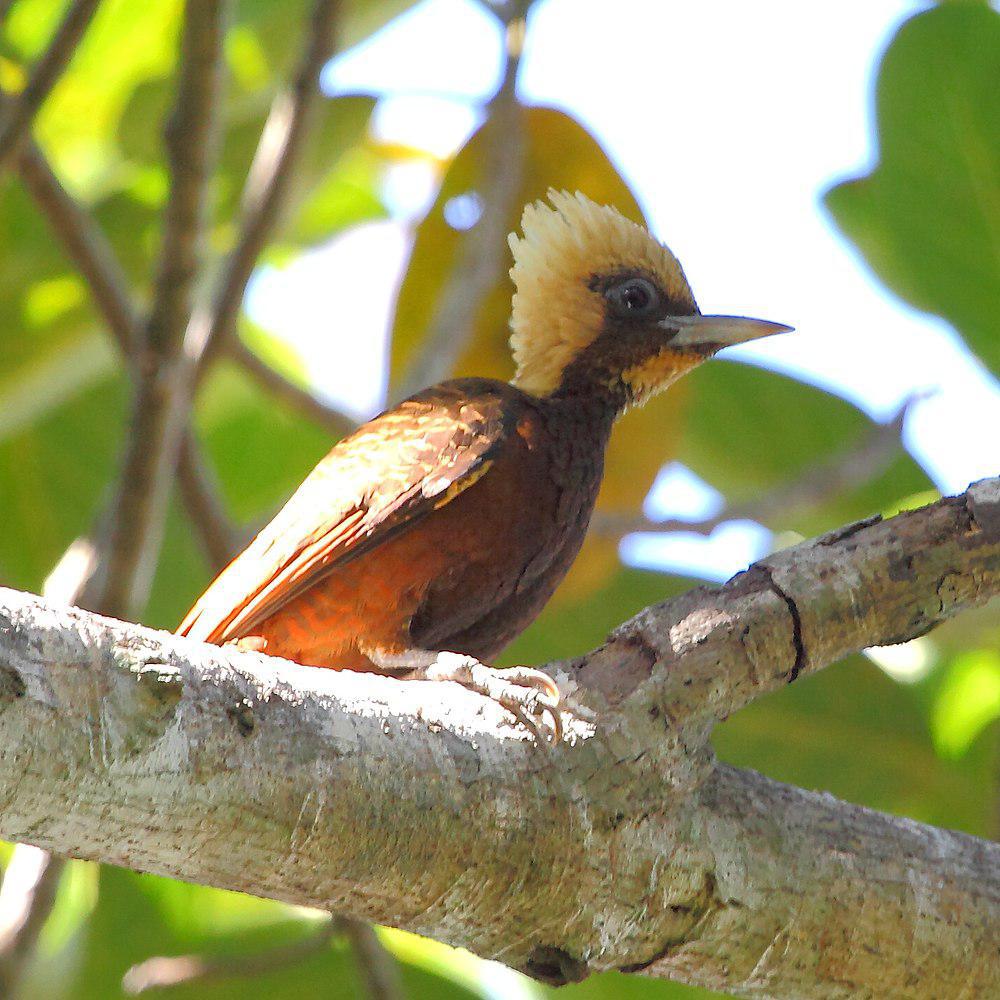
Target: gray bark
(420,806)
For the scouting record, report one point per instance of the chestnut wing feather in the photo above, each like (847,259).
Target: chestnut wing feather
(381,479)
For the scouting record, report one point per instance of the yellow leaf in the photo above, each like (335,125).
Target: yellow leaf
(559,153)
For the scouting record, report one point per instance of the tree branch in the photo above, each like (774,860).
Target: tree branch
(164,389)
(831,477)
(191,136)
(338,423)
(482,251)
(377,968)
(625,847)
(27,896)
(31,878)
(17,116)
(86,246)
(220,539)
(271,172)
(872,583)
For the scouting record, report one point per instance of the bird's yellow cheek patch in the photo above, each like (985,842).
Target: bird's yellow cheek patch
(655,373)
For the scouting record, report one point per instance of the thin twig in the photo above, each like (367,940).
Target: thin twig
(20,113)
(163,971)
(93,257)
(378,969)
(5,6)
(27,896)
(191,135)
(164,391)
(266,188)
(338,423)
(481,259)
(834,476)
(200,491)
(85,244)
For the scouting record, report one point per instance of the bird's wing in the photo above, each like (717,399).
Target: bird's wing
(390,472)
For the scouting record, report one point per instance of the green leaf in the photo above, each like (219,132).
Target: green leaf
(44,306)
(852,731)
(54,474)
(967,701)
(261,449)
(364,17)
(571,628)
(335,183)
(125,45)
(279,30)
(738,436)
(347,195)
(927,219)
(141,916)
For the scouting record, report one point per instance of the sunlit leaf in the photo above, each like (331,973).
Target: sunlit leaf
(43,305)
(852,731)
(30,391)
(138,917)
(967,701)
(260,448)
(125,45)
(276,352)
(927,218)
(54,475)
(347,195)
(572,627)
(738,437)
(364,17)
(75,901)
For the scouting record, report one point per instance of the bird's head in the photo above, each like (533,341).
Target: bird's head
(602,307)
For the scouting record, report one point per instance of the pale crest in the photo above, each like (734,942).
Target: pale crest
(555,315)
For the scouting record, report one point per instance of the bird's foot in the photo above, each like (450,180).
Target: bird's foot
(250,644)
(531,696)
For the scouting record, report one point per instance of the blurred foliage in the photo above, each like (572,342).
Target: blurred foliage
(739,439)
(926,219)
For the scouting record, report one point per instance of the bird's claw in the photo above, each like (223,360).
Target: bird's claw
(531,696)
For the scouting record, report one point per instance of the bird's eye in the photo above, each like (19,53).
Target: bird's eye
(634,298)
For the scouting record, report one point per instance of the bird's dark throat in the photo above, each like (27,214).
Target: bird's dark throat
(594,376)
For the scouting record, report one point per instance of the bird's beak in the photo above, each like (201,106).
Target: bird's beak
(713,333)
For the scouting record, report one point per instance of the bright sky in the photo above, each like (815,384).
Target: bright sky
(729,120)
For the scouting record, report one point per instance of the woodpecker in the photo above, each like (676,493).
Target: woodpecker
(436,532)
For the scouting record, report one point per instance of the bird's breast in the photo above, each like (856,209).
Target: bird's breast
(504,545)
